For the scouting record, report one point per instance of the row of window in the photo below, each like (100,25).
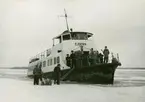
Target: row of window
(51,61)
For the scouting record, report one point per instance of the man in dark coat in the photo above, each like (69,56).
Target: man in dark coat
(100,57)
(91,57)
(40,72)
(35,75)
(37,72)
(57,72)
(73,59)
(68,60)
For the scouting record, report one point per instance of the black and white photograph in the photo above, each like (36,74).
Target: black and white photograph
(72,50)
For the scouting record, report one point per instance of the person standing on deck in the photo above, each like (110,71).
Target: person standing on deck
(68,60)
(57,72)
(73,59)
(96,56)
(100,58)
(106,54)
(91,57)
(79,59)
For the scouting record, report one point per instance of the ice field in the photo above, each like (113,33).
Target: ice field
(129,86)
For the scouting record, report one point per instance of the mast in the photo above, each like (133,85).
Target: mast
(66,20)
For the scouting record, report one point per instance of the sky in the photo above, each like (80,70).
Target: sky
(28,26)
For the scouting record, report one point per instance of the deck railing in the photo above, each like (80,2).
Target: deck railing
(41,55)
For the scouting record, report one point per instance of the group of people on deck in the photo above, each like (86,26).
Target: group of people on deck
(79,59)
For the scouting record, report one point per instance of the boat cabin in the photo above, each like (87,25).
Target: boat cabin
(74,37)
(66,35)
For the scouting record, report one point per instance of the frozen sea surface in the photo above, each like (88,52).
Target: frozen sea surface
(129,87)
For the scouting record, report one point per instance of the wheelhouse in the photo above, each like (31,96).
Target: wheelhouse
(72,36)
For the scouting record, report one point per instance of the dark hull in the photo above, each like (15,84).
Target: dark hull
(97,74)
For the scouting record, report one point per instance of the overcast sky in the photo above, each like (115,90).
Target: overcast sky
(28,26)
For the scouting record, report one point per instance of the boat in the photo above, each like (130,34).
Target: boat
(77,41)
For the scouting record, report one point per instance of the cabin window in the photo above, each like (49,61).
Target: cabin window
(47,62)
(79,36)
(54,60)
(44,63)
(58,60)
(50,61)
(66,37)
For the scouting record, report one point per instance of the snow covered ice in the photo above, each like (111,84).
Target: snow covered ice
(129,87)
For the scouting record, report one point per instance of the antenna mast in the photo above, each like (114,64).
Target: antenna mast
(66,19)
